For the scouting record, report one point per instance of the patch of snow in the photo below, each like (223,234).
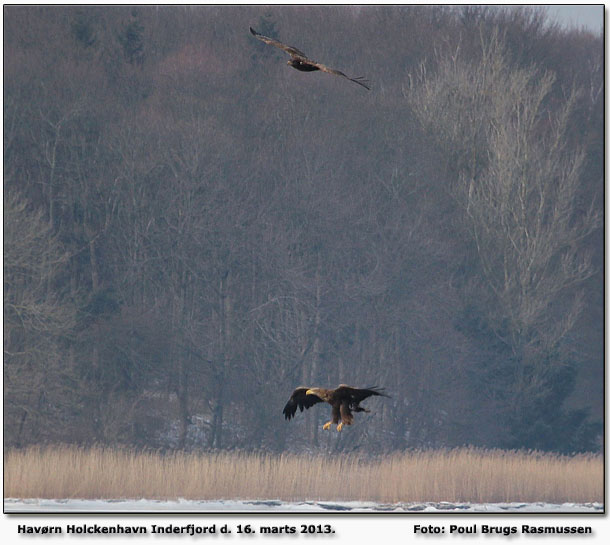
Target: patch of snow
(33,505)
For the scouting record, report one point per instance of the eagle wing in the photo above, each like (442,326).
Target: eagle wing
(301,400)
(356,395)
(295,53)
(324,68)
(292,51)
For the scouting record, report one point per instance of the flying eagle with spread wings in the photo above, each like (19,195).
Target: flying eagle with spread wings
(299,60)
(343,399)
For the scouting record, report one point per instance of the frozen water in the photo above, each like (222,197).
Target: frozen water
(12,505)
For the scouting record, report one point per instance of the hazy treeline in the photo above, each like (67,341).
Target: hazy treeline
(192,228)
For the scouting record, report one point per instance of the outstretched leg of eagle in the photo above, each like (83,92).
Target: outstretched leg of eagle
(347,418)
(336,416)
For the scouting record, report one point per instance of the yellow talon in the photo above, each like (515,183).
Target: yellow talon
(326,426)
(340,426)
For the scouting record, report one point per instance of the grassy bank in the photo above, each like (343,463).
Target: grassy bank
(457,475)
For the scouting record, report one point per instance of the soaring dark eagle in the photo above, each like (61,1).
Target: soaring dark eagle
(343,400)
(299,60)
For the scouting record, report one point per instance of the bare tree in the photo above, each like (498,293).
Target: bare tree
(38,319)
(516,177)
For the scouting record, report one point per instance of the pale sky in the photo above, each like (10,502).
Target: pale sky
(576,15)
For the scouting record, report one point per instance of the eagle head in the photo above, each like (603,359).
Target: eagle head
(322,393)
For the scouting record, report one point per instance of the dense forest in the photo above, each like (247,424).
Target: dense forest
(192,228)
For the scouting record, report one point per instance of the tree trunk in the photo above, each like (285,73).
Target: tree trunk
(225,309)
(316,348)
(183,405)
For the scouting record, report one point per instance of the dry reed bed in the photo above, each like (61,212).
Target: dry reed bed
(446,475)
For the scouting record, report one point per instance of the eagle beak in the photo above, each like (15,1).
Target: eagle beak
(309,392)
